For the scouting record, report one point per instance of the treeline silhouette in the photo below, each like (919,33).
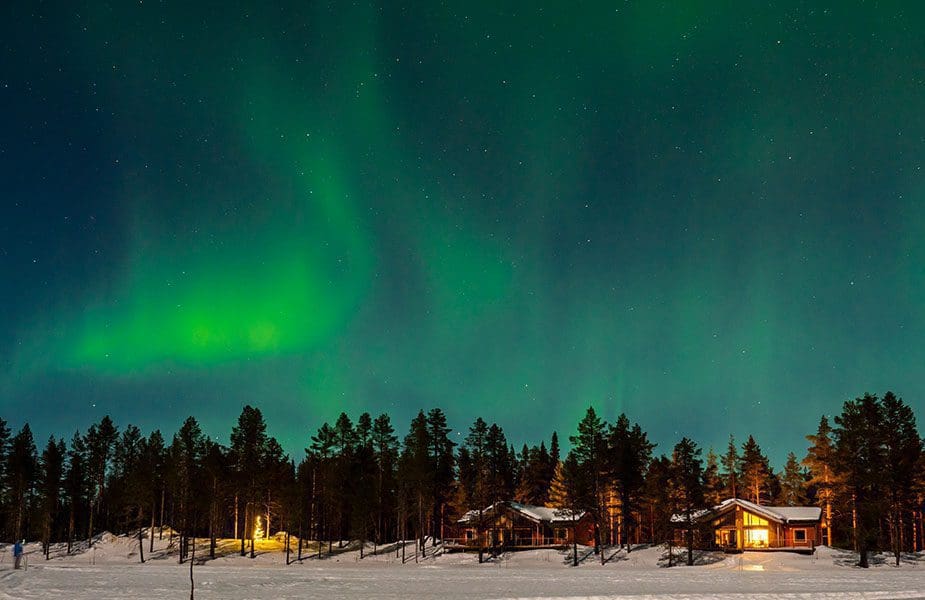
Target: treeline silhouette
(359,481)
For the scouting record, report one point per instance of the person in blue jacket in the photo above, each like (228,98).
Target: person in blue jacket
(17,555)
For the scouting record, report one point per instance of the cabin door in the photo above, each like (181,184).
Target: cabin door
(729,538)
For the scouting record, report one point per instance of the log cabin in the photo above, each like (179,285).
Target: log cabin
(736,524)
(516,526)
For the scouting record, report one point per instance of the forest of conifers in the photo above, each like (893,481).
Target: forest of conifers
(361,481)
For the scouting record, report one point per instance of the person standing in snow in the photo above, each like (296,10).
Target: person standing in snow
(17,555)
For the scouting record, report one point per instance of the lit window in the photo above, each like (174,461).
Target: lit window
(756,538)
(748,519)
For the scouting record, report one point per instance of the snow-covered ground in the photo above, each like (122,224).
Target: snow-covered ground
(112,571)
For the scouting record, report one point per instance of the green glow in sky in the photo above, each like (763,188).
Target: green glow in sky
(709,216)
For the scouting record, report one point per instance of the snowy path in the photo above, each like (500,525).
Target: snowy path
(451,582)
(110,571)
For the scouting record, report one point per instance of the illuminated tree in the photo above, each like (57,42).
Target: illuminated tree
(820,460)
(755,474)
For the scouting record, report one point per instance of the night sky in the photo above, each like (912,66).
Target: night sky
(710,216)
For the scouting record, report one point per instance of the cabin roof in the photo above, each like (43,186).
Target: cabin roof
(538,514)
(778,514)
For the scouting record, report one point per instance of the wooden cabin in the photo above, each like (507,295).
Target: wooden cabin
(737,524)
(516,526)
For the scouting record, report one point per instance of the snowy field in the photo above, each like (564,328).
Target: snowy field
(111,571)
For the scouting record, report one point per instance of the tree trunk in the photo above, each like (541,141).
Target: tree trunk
(192,584)
(90,527)
(690,541)
(141,537)
(243,531)
(854,523)
(151,531)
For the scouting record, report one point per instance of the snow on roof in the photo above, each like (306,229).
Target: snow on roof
(544,514)
(778,514)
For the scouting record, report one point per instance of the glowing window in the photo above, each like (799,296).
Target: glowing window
(757,538)
(748,519)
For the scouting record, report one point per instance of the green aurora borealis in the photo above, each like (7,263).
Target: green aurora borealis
(710,216)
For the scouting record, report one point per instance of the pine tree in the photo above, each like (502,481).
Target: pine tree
(903,448)
(154,463)
(129,483)
(52,474)
(442,459)
(475,476)
(589,449)
(861,456)
(4,492)
(21,470)
(793,483)
(659,500)
(216,471)
(713,486)
(755,475)
(247,451)
(321,455)
(363,500)
(416,476)
(557,489)
(77,486)
(99,442)
(500,462)
(629,451)
(731,466)
(687,488)
(820,460)
(385,447)
(185,454)
(571,492)
(344,452)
